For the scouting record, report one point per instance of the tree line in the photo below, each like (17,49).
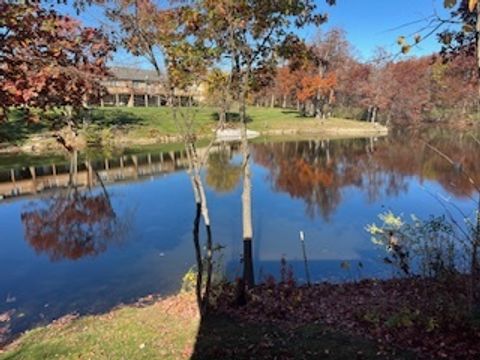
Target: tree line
(331,81)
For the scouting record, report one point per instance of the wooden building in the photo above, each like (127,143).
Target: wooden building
(138,87)
(134,87)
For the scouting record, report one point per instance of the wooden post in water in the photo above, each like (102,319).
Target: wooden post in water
(135,163)
(34,178)
(149,160)
(107,168)
(54,173)
(14,182)
(122,167)
(161,161)
(172,155)
(88,164)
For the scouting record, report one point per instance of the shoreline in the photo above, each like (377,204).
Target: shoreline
(369,317)
(44,144)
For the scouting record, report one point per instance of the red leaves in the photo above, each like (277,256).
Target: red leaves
(70,226)
(48,59)
(421,315)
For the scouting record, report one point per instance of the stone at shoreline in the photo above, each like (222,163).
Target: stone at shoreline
(235,134)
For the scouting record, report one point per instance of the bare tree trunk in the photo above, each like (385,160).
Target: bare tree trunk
(73,173)
(198,256)
(201,200)
(248,274)
(194,169)
(374,114)
(272,101)
(317,106)
(284,102)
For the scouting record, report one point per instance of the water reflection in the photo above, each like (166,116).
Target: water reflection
(328,189)
(317,171)
(223,175)
(73,223)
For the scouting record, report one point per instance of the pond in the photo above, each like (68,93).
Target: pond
(89,248)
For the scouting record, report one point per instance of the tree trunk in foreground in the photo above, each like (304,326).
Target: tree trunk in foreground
(248,275)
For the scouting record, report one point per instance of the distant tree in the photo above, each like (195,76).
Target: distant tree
(378,89)
(217,90)
(48,60)
(454,85)
(412,99)
(285,83)
(331,52)
(315,88)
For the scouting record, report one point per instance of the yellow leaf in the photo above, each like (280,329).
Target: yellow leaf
(468,28)
(406,49)
(449,3)
(472,4)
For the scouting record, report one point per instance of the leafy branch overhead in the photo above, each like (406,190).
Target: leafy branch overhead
(457,33)
(48,59)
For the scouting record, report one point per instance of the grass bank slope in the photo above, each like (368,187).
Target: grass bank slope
(172,329)
(127,127)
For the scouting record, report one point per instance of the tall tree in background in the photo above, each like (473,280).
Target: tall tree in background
(149,31)
(249,33)
(330,51)
(285,83)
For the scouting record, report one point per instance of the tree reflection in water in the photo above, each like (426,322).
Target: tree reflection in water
(73,223)
(222,175)
(317,171)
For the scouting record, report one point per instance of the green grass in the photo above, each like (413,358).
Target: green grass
(141,122)
(150,121)
(171,329)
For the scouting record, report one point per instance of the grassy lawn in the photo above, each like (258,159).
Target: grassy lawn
(148,121)
(171,329)
(141,126)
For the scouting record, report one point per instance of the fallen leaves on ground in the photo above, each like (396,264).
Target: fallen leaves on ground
(425,316)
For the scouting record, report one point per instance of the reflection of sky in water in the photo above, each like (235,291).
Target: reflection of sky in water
(159,250)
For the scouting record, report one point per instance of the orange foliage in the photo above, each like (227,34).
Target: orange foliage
(311,84)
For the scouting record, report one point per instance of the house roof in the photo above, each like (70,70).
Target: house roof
(126,73)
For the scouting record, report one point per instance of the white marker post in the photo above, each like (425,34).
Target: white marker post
(305,261)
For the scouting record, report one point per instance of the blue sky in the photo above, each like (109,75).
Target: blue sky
(368,24)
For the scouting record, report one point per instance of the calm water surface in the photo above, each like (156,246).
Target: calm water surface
(87,250)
